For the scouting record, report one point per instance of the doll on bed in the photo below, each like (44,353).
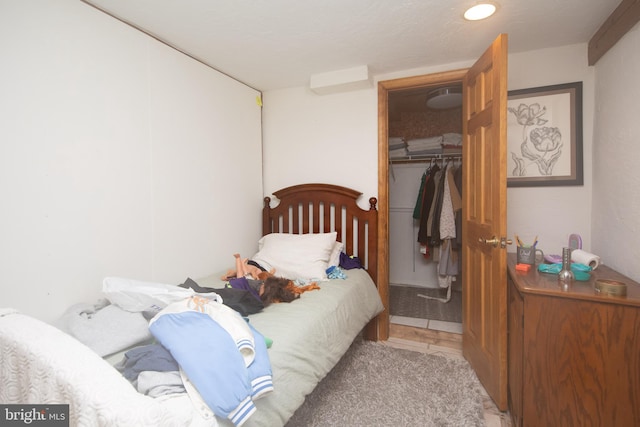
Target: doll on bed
(246,268)
(262,284)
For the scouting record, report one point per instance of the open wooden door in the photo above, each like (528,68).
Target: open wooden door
(484,225)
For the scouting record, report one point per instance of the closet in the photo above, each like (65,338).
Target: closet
(425,127)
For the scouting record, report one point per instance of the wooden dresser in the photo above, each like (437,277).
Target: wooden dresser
(573,356)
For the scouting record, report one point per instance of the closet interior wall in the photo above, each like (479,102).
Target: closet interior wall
(407,265)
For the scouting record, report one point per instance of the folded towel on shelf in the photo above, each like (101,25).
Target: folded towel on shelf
(400,152)
(452,149)
(452,139)
(420,142)
(396,142)
(424,143)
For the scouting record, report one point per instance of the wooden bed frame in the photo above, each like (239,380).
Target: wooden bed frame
(323,208)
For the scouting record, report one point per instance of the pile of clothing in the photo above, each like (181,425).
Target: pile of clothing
(175,339)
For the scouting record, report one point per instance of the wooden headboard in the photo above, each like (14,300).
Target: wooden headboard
(323,208)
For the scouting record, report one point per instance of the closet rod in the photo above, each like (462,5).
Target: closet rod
(426,158)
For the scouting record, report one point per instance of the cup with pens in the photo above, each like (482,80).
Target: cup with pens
(528,254)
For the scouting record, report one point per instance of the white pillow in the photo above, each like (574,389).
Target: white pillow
(296,256)
(334,258)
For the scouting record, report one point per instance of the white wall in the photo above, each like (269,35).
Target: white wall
(616,190)
(118,156)
(333,138)
(553,213)
(312,138)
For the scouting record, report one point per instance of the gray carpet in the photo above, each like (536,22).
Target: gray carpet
(404,301)
(376,385)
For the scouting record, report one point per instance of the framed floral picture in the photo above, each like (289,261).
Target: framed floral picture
(544,136)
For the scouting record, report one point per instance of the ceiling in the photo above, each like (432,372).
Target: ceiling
(274,44)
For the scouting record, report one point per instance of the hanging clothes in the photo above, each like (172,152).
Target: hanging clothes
(457,179)
(448,202)
(417,210)
(436,210)
(452,203)
(433,222)
(427,199)
(446,223)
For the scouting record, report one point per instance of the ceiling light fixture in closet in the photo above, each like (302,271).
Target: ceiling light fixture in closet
(480,11)
(444,97)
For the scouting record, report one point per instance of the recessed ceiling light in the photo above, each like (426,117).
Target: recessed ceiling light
(480,11)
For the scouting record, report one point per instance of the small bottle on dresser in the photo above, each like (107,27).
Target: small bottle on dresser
(566,277)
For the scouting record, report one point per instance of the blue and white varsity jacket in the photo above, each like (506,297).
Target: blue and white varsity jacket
(223,360)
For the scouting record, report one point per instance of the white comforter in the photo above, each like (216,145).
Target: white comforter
(40,364)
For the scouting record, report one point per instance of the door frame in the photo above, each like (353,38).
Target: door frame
(384,87)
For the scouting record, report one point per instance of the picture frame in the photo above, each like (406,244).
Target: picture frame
(544,136)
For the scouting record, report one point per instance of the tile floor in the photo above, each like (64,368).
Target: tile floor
(444,339)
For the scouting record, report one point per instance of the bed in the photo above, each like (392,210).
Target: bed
(40,364)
